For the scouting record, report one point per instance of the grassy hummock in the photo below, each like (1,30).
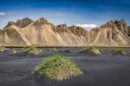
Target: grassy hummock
(119,51)
(14,51)
(58,68)
(53,49)
(93,50)
(32,50)
(2,49)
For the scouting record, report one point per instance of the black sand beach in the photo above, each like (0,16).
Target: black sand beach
(105,70)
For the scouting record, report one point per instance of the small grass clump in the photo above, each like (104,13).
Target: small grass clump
(119,51)
(14,51)
(2,49)
(32,50)
(58,68)
(93,50)
(53,49)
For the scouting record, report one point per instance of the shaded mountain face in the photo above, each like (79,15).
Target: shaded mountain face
(44,33)
(19,23)
(121,25)
(129,31)
(23,22)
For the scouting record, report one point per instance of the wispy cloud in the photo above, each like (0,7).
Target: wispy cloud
(2,14)
(87,26)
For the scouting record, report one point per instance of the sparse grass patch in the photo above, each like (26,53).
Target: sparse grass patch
(58,68)
(119,51)
(32,50)
(14,51)
(53,49)
(2,49)
(93,50)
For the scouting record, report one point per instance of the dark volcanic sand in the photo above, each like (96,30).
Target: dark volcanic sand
(103,70)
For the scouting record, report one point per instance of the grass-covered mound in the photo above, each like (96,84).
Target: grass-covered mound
(32,50)
(119,51)
(57,67)
(92,50)
(2,49)
(53,49)
(14,51)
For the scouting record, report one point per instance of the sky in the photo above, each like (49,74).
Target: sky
(88,13)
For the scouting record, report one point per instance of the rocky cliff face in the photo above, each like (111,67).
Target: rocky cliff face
(44,33)
(129,31)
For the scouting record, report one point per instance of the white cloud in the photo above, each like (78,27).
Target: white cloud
(2,14)
(87,26)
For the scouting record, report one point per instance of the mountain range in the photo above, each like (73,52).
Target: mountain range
(43,33)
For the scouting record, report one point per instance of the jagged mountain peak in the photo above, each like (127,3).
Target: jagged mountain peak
(20,23)
(23,22)
(24,19)
(122,21)
(110,23)
(10,24)
(121,24)
(62,25)
(41,32)
(42,21)
(78,30)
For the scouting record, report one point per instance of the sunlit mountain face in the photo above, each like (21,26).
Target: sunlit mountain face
(72,12)
(44,33)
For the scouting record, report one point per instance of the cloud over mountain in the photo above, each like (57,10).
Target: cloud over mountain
(87,26)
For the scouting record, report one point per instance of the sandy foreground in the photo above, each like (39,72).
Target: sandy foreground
(105,70)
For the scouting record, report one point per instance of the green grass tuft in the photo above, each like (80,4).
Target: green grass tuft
(32,50)
(119,51)
(93,50)
(3,49)
(58,68)
(53,49)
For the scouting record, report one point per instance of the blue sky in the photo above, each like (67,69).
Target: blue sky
(71,12)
